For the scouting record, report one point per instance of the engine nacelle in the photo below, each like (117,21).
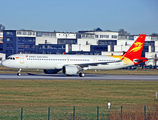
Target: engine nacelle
(70,70)
(51,71)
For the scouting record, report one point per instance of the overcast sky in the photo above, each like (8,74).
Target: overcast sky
(134,16)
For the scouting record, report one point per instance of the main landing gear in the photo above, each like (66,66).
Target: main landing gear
(19,71)
(81,74)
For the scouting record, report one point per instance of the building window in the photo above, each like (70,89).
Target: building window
(96,36)
(29,33)
(9,45)
(104,36)
(27,46)
(67,41)
(0,58)
(20,46)
(24,32)
(107,42)
(38,34)
(30,40)
(9,33)
(8,39)
(83,35)
(19,32)
(114,36)
(33,46)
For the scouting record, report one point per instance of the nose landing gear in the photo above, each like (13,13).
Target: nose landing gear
(19,71)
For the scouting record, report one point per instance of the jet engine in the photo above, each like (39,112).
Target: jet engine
(51,71)
(70,70)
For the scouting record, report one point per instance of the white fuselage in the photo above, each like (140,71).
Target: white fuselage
(49,61)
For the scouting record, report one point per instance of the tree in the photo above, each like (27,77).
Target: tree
(123,32)
(154,34)
(2,27)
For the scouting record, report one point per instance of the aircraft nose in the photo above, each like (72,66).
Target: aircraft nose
(3,63)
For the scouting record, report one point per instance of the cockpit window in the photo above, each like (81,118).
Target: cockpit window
(11,58)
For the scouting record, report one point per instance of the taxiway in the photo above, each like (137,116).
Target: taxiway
(76,77)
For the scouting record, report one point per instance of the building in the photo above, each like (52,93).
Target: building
(83,42)
(93,42)
(1,42)
(54,42)
(27,41)
(18,41)
(51,48)
(2,57)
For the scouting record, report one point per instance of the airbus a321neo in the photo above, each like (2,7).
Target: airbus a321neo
(76,64)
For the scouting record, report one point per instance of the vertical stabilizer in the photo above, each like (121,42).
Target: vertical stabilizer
(136,49)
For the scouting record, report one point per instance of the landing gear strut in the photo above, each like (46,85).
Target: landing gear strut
(18,74)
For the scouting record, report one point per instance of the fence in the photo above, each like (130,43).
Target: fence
(80,112)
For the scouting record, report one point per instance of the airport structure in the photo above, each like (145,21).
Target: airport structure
(93,42)
(2,56)
(1,42)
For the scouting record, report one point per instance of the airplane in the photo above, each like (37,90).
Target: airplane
(76,64)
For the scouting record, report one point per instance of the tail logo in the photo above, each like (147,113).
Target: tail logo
(137,47)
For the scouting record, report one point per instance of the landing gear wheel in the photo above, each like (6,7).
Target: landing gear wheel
(18,74)
(81,74)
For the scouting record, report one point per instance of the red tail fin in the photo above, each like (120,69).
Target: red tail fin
(136,49)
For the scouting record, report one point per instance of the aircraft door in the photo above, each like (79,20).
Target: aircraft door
(68,60)
(21,59)
(94,60)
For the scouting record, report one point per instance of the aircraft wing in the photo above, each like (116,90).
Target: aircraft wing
(98,63)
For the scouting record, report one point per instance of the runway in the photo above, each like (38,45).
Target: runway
(76,77)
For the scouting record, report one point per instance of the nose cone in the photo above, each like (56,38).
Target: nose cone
(4,63)
(8,63)
(1,63)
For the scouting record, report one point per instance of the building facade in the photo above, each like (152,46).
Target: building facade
(16,41)
(2,57)
(94,42)
(1,42)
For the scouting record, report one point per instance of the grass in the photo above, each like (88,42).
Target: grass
(36,95)
(135,113)
(43,93)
